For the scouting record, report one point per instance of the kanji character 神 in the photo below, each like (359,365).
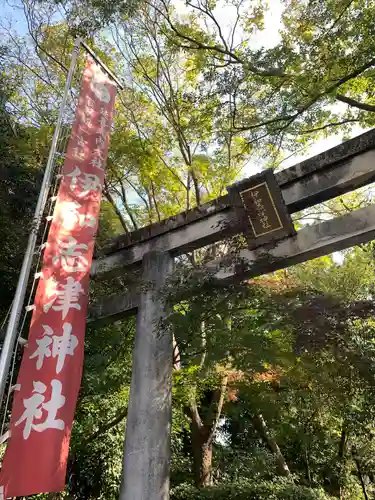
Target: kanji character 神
(63,297)
(35,406)
(70,255)
(69,217)
(88,182)
(62,346)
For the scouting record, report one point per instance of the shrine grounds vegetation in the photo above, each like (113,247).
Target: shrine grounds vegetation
(275,395)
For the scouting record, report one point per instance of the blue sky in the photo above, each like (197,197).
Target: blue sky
(11,12)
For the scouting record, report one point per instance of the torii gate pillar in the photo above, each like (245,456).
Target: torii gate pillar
(148,428)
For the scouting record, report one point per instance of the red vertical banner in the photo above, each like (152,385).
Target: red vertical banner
(50,374)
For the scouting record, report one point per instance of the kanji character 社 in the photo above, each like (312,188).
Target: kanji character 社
(57,346)
(70,255)
(35,406)
(69,217)
(98,153)
(64,297)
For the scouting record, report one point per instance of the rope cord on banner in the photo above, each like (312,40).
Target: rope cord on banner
(53,189)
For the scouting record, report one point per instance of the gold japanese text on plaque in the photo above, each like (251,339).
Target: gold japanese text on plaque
(261,212)
(261,209)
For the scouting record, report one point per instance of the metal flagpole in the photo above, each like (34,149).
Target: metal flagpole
(12,328)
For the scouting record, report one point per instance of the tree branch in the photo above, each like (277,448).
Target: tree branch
(355,103)
(198,45)
(261,427)
(126,205)
(103,428)
(327,125)
(38,46)
(338,19)
(192,412)
(348,77)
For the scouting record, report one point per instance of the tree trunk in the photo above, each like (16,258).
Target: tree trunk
(334,487)
(307,463)
(358,464)
(196,188)
(116,209)
(203,432)
(202,456)
(261,427)
(341,460)
(127,207)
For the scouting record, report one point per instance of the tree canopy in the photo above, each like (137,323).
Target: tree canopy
(274,395)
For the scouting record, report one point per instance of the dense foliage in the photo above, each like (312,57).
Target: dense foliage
(274,396)
(247,490)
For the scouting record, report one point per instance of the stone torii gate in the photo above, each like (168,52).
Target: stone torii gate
(151,251)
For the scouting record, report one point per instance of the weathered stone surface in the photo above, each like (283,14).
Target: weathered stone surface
(347,149)
(313,241)
(148,426)
(188,237)
(112,308)
(174,222)
(330,182)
